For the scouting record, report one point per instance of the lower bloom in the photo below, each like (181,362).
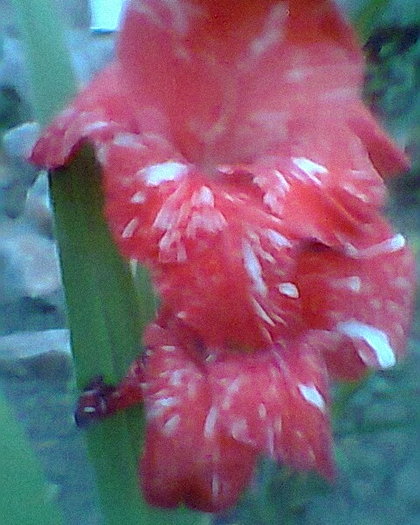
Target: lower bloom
(211,413)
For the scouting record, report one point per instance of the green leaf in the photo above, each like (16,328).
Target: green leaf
(24,497)
(49,65)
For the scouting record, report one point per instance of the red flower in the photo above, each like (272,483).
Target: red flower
(240,166)
(227,407)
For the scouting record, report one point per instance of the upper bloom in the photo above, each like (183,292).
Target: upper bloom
(241,167)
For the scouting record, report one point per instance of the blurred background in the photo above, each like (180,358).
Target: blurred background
(378,437)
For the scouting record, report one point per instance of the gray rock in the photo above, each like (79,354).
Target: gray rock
(38,212)
(19,141)
(44,354)
(17,175)
(28,263)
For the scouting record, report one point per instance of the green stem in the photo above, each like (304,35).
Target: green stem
(103,317)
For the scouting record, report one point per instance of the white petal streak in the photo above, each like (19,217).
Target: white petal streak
(253,268)
(163,172)
(278,240)
(239,429)
(168,348)
(168,215)
(310,168)
(262,411)
(375,338)
(285,186)
(172,247)
(166,402)
(215,485)
(262,313)
(94,126)
(210,220)
(352,283)
(168,14)
(391,245)
(289,289)
(203,197)
(210,423)
(171,425)
(272,32)
(130,228)
(312,395)
(138,198)
(128,140)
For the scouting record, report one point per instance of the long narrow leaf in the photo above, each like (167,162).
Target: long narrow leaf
(49,64)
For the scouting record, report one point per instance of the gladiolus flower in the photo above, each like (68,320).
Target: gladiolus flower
(241,167)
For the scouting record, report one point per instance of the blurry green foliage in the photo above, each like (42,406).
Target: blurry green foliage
(13,109)
(25,498)
(393,82)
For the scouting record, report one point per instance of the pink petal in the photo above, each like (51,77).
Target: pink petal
(363,295)
(385,156)
(189,470)
(220,261)
(277,401)
(232,281)
(132,201)
(234,94)
(186,459)
(326,177)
